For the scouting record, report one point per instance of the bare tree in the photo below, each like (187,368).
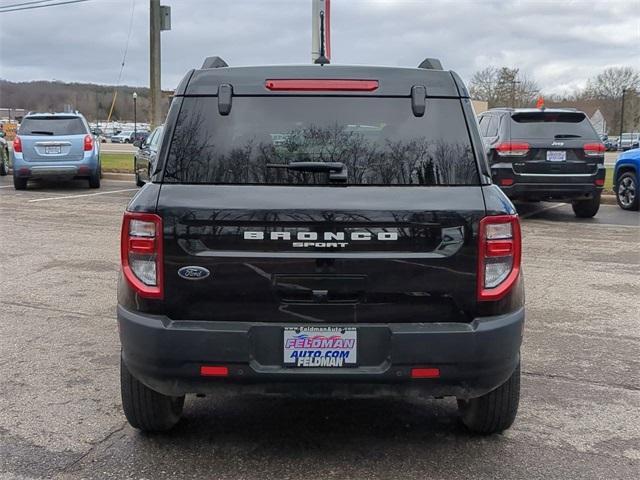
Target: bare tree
(611,82)
(503,87)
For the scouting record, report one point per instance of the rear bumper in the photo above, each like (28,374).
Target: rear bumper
(547,186)
(473,358)
(55,168)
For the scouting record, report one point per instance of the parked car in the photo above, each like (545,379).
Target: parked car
(608,143)
(55,145)
(144,160)
(629,141)
(625,179)
(123,137)
(310,229)
(140,136)
(4,155)
(545,154)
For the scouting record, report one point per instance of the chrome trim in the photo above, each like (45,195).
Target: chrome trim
(555,174)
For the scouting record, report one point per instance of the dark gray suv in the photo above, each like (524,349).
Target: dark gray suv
(545,154)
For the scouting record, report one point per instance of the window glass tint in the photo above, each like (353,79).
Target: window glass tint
(550,124)
(151,138)
(484,123)
(492,129)
(378,140)
(157,135)
(52,126)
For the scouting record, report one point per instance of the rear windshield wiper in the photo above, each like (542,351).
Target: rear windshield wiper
(40,132)
(567,135)
(337,170)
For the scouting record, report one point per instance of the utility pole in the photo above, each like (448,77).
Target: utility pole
(621,120)
(514,82)
(159,20)
(154,63)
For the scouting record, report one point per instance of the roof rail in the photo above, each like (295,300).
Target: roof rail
(431,64)
(214,62)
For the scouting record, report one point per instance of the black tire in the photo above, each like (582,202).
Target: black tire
(627,191)
(495,411)
(4,163)
(94,179)
(146,409)
(586,208)
(20,183)
(139,182)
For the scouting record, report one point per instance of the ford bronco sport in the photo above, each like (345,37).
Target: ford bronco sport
(321,230)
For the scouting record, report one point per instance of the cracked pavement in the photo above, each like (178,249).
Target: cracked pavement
(60,414)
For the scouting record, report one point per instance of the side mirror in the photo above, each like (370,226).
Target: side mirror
(137,143)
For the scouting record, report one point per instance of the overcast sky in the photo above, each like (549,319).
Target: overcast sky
(559,43)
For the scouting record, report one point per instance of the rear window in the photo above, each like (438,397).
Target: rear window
(378,140)
(551,124)
(57,125)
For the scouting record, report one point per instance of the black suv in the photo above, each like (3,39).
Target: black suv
(321,230)
(545,154)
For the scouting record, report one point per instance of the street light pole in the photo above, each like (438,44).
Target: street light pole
(135,117)
(621,120)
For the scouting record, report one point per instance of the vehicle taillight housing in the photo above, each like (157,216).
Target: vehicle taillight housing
(594,149)
(88,143)
(499,252)
(17,145)
(141,253)
(513,149)
(320,85)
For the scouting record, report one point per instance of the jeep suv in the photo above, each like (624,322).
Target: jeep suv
(321,230)
(55,145)
(545,154)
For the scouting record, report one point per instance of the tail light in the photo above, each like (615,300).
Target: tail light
(594,149)
(512,149)
(599,182)
(425,373)
(88,143)
(214,371)
(17,145)
(499,255)
(141,253)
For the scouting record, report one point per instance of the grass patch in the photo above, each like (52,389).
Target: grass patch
(608,180)
(117,162)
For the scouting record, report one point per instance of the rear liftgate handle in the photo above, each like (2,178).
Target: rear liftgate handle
(418,100)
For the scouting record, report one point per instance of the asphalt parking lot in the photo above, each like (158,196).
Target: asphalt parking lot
(60,414)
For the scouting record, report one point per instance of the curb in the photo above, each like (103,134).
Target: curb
(118,176)
(608,199)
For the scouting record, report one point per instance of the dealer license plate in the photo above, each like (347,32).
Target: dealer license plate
(320,347)
(53,150)
(556,156)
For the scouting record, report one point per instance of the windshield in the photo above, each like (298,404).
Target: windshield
(378,141)
(552,125)
(57,125)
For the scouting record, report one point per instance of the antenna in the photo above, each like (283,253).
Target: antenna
(322,60)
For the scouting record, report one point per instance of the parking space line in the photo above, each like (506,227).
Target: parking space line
(81,195)
(531,214)
(6,186)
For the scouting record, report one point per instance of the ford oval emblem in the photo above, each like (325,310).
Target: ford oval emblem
(193,272)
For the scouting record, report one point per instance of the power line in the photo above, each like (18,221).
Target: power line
(17,9)
(124,58)
(25,3)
